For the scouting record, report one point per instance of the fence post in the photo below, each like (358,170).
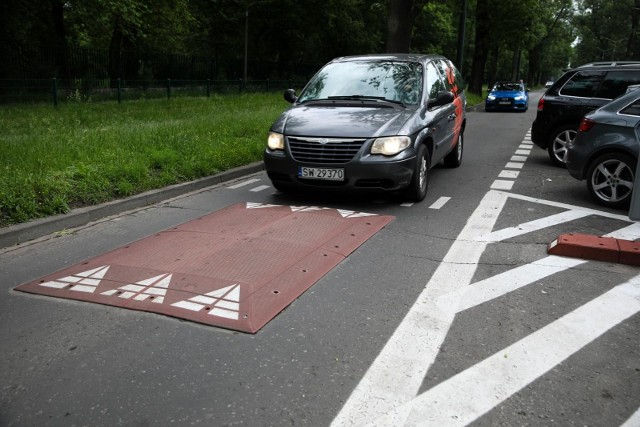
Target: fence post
(119,91)
(208,88)
(54,91)
(168,88)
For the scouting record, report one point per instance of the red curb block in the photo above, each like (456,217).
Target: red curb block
(597,248)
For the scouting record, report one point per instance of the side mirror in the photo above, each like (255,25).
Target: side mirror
(444,97)
(290,95)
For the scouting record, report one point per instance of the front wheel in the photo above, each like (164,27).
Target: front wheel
(417,190)
(610,179)
(557,148)
(454,158)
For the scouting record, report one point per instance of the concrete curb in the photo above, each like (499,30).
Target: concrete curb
(24,232)
(606,249)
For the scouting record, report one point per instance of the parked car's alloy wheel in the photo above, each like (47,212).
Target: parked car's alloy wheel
(558,144)
(610,179)
(417,190)
(454,158)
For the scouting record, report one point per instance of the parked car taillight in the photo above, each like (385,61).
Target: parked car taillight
(541,104)
(585,125)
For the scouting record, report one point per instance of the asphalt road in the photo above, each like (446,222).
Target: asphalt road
(453,314)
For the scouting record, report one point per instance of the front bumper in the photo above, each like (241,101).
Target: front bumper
(366,173)
(513,105)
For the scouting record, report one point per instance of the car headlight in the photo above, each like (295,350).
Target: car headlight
(275,141)
(391,145)
(491,98)
(519,98)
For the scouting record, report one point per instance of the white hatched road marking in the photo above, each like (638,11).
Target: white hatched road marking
(386,395)
(260,188)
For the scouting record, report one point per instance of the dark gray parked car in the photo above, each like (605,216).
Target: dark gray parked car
(605,150)
(370,123)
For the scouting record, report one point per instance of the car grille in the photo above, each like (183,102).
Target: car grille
(324,150)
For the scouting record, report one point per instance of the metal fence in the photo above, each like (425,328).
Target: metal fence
(56,91)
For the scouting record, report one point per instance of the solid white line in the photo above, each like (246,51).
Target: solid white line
(509,281)
(633,421)
(509,174)
(260,188)
(472,393)
(440,203)
(501,184)
(242,184)
(568,206)
(538,224)
(395,376)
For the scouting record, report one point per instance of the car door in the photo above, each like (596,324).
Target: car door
(443,116)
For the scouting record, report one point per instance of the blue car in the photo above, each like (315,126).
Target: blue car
(507,96)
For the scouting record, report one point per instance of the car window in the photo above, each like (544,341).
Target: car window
(633,109)
(509,87)
(398,81)
(434,81)
(583,84)
(615,83)
(458,77)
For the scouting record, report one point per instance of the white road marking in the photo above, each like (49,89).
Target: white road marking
(523,152)
(395,376)
(439,203)
(538,224)
(260,188)
(243,183)
(468,395)
(633,421)
(406,204)
(501,184)
(509,174)
(514,165)
(518,158)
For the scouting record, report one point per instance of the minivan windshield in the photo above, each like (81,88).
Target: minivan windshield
(393,81)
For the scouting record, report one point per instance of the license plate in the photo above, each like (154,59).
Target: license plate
(504,102)
(330,174)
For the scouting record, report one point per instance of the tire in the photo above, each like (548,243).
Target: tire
(417,190)
(454,158)
(610,179)
(557,147)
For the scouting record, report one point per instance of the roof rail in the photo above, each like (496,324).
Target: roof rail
(609,64)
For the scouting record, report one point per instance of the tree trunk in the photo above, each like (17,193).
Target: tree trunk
(481,47)
(402,14)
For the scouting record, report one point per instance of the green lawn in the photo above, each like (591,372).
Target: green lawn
(82,153)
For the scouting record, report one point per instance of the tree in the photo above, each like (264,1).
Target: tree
(401,17)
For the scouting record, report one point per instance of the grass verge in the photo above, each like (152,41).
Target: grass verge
(83,153)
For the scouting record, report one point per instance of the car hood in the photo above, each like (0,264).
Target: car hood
(344,121)
(506,93)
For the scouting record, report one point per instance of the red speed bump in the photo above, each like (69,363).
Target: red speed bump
(597,248)
(236,268)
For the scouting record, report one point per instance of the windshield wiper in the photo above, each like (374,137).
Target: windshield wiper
(366,97)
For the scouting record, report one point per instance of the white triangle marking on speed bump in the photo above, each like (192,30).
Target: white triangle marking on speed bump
(223,302)
(260,205)
(86,281)
(352,214)
(154,289)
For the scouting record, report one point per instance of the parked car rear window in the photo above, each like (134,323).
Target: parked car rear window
(632,110)
(583,84)
(616,82)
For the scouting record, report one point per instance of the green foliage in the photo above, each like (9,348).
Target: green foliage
(86,153)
